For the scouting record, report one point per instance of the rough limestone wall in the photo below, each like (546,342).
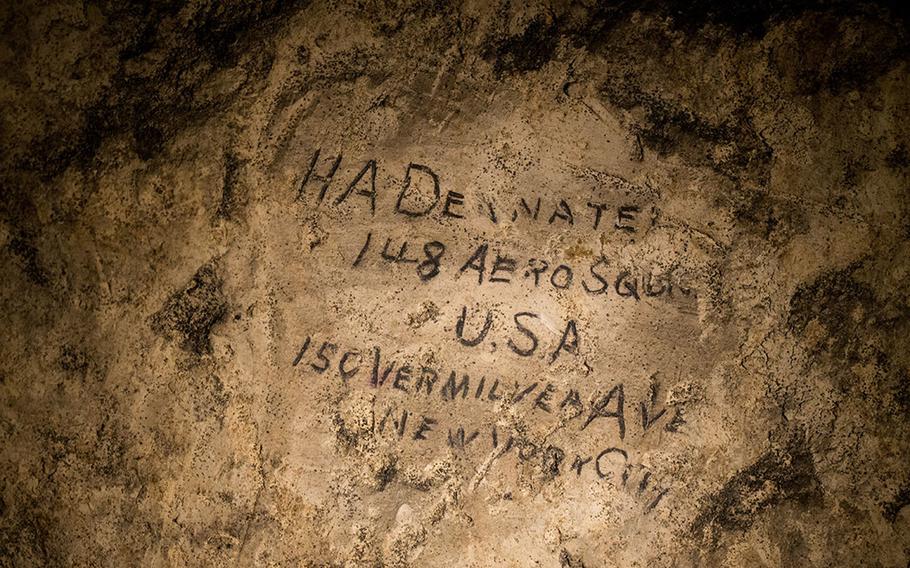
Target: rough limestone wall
(454,284)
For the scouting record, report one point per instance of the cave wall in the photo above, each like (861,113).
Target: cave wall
(455,284)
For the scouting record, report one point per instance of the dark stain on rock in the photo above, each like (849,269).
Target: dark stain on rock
(892,508)
(669,128)
(26,254)
(158,96)
(845,325)
(839,49)
(74,360)
(528,51)
(901,391)
(782,475)
(753,17)
(26,536)
(148,140)
(841,304)
(590,26)
(190,314)
(853,171)
(898,158)
(566,560)
(759,213)
(745,17)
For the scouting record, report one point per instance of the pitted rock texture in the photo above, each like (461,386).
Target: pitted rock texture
(455,284)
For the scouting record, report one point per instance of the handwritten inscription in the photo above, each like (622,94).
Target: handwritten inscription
(611,464)
(602,413)
(456,385)
(420,195)
(484,265)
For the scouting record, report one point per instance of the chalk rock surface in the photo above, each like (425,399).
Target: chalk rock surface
(455,284)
